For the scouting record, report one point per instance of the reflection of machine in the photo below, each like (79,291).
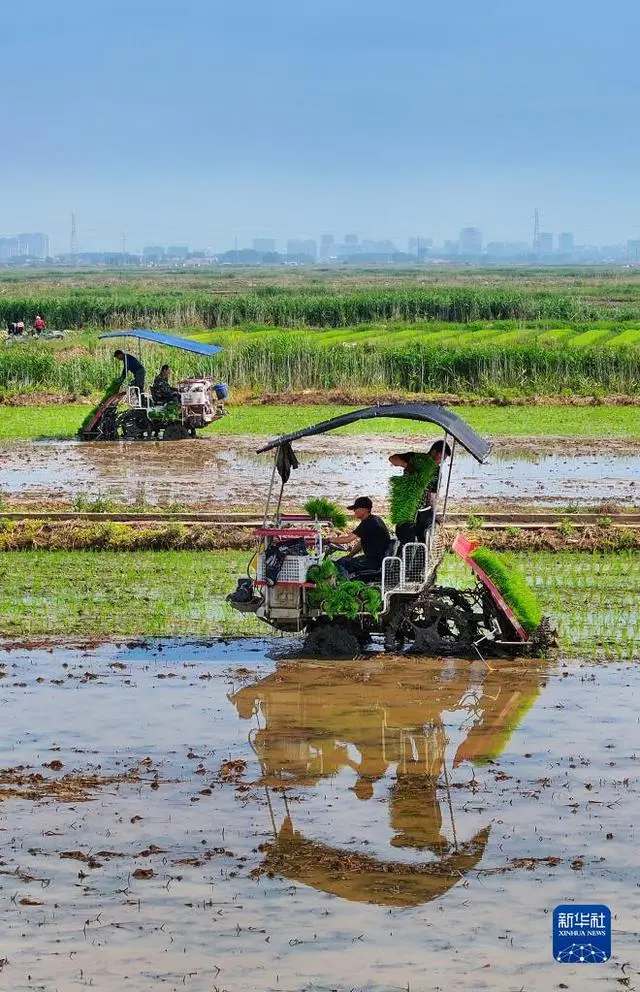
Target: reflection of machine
(416,613)
(130,415)
(382,723)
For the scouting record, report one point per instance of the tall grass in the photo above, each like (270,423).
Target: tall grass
(292,361)
(121,306)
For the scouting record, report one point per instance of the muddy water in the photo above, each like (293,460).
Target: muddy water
(223,471)
(254,825)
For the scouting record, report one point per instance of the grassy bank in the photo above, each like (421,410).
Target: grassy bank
(41,534)
(62,421)
(593,597)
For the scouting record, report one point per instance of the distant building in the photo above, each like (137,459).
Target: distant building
(34,245)
(545,243)
(153,253)
(302,250)
(378,247)
(420,247)
(450,248)
(26,245)
(248,256)
(178,251)
(264,244)
(90,259)
(566,243)
(470,242)
(8,248)
(633,250)
(507,249)
(327,247)
(351,239)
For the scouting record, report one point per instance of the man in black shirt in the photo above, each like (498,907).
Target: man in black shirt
(373,540)
(130,364)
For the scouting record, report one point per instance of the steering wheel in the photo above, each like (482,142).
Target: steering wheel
(330,549)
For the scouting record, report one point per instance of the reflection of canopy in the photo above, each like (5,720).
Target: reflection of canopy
(431,413)
(361,878)
(167,340)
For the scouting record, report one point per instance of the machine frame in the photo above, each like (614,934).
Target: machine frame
(131,415)
(416,613)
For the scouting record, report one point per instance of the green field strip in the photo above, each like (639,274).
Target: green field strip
(586,339)
(629,338)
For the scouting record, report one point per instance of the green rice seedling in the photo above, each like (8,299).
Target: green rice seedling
(321,508)
(100,504)
(567,529)
(406,491)
(121,306)
(479,358)
(512,585)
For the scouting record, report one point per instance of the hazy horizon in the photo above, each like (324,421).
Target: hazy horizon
(204,124)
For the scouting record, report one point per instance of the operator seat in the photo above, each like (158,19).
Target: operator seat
(375,575)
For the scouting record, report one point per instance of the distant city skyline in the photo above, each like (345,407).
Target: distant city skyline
(328,247)
(91,239)
(206,122)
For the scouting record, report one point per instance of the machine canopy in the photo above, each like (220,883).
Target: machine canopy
(168,340)
(431,413)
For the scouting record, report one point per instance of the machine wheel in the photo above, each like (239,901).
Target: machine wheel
(175,431)
(130,426)
(443,622)
(106,429)
(332,640)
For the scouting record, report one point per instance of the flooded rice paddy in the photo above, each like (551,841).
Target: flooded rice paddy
(227,471)
(203,817)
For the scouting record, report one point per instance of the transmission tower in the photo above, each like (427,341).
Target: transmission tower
(536,229)
(73,240)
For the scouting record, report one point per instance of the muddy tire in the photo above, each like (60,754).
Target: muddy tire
(443,623)
(106,428)
(332,640)
(130,426)
(175,431)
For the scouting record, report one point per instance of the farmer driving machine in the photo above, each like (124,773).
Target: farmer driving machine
(293,585)
(128,413)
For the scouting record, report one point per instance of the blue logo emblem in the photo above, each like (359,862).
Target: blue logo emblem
(582,933)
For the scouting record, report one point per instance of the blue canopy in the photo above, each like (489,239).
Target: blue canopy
(168,340)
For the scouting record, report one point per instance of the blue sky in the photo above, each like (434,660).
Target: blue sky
(203,122)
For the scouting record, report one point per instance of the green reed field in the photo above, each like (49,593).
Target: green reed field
(317,297)
(122,306)
(470,332)
(483,358)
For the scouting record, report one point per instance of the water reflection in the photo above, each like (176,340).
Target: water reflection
(389,730)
